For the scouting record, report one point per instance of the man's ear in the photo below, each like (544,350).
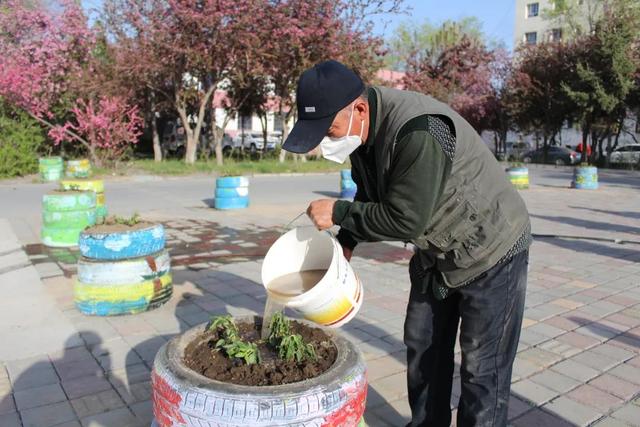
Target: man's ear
(361,106)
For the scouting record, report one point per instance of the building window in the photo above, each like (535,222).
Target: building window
(278,122)
(531,38)
(556,35)
(245,122)
(533,9)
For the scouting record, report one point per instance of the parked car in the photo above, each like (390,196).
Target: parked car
(253,142)
(554,155)
(516,150)
(174,139)
(627,154)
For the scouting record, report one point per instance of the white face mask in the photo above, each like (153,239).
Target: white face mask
(338,149)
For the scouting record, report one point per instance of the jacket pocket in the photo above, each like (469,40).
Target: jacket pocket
(449,233)
(481,239)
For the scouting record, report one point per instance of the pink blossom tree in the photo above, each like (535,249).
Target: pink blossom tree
(460,75)
(109,126)
(42,54)
(47,63)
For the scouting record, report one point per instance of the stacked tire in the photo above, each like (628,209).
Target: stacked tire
(50,168)
(585,178)
(348,187)
(78,169)
(519,177)
(95,185)
(123,272)
(232,192)
(180,396)
(64,215)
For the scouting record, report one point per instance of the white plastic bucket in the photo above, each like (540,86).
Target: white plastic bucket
(337,297)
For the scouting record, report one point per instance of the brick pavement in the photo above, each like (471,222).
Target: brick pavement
(578,361)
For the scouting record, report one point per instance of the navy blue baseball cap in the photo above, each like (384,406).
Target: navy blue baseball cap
(322,92)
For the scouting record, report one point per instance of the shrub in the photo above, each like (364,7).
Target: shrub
(20,139)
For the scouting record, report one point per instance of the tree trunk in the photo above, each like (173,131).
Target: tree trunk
(193,135)
(217,135)
(586,130)
(157,150)
(285,132)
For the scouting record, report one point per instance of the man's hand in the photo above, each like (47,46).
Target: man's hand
(321,213)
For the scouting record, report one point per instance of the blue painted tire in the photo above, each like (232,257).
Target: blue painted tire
(108,288)
(345,174)
(232,182)
(348,187)
(122,245)
(224,192)
(231,203)
(585,178)
(232,192)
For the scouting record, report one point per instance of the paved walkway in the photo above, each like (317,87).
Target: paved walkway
(578,360)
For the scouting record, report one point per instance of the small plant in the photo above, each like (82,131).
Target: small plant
(293,347)
(227,327)
(130,221)
(279,327)
(243,350)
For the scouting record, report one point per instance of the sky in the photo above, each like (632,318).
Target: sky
(497,16)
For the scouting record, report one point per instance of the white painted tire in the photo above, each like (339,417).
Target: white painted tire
(182,397)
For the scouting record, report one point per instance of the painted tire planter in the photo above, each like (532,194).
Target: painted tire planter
(585,178)
(95,185)
(121,245)
(108,288)
(182,397)
(78,168)
(519,177)
(65,215)
(232,192)
(50,168)
(348,188)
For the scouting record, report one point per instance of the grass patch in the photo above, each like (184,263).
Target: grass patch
(230,167)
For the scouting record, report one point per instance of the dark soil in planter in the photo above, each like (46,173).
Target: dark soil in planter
(202,357)
(110,226)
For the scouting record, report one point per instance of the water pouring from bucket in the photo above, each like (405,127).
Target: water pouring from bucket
(306,270)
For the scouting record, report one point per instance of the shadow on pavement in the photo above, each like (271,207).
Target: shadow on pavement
(609,250)
(332,194)
(625,214)
(612,334)
(591,225)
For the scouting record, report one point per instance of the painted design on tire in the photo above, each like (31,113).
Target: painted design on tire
(231,203)
(112,299)
(68,201)
(78,220)
(121,245)
(101,212)
(95,185)
(224,192)
(78,168)
(50,168)
(182,397)
(60,237)
(98,272)
(232,182)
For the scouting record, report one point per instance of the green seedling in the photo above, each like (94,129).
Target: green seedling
(228,328)
(243,350)
(133,220)
(293,347)
(279,327)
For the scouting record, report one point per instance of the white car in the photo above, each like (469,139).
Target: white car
(627,154)
(253,142)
